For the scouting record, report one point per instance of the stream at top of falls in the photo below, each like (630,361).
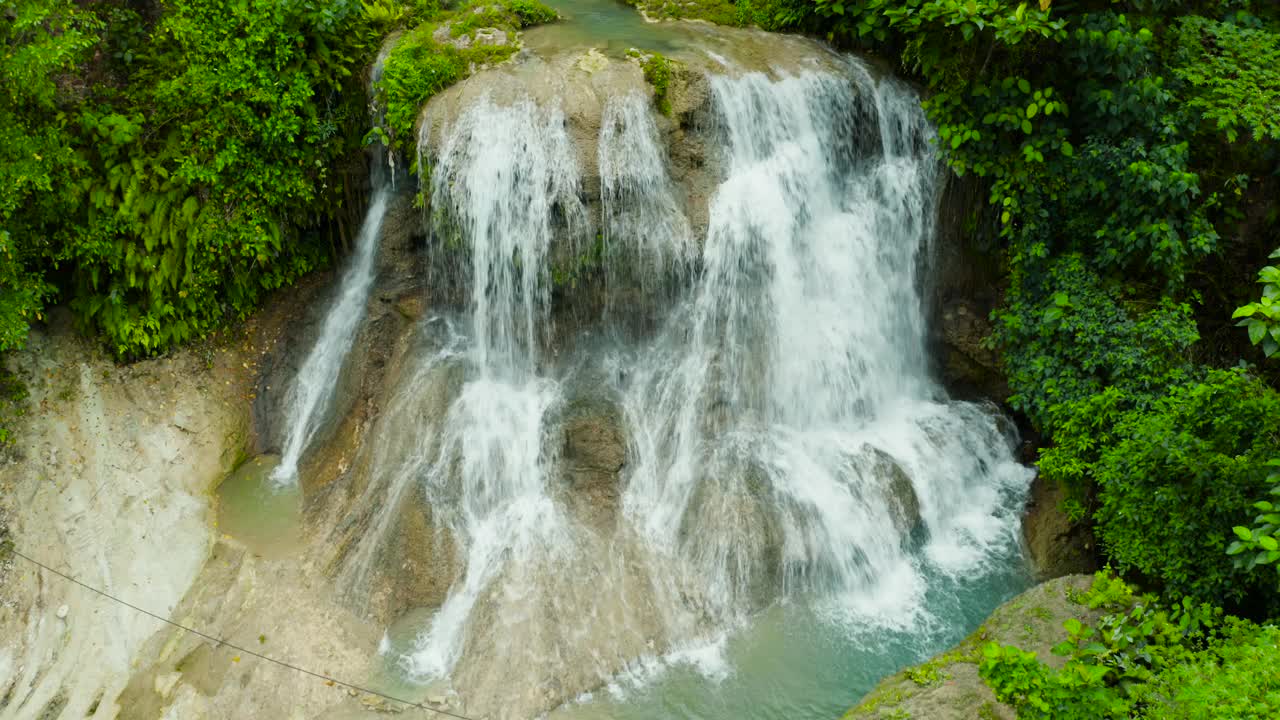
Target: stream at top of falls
(792,507)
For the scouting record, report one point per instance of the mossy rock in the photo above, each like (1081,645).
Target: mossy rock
(947,686)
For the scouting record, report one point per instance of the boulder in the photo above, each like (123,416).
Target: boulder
(948,687)
(900,492)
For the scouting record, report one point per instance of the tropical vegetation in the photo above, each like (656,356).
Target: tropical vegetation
(164,165)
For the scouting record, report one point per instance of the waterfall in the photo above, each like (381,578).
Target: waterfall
(645,231)
(311,393)
(785,423)
(784,439)
(506,182)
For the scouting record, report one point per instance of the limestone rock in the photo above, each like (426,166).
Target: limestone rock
(900,492)
(592,61)
(444,36)
(594,453)
(491,37)
(1057,545)
(165,683)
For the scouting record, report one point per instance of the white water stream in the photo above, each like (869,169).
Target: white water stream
(311,393)
(785,444)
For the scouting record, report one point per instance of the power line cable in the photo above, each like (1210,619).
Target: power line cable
(220,642)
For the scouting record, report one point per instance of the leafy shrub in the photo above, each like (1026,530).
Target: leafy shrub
(1177,476)
(1262,318)
(1234,679)
(178,186)
(1068,334)
(1232,73)
(1144,659)
(1258,545)
(657,69)
(418,67)
(39,166)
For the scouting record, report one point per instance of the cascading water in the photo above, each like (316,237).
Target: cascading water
(784,441)
(644,230)
(310,395)
(786,419)
(507,182)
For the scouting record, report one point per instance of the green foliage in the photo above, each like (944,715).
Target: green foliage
(415,70)
(174,174)
(1071,335)
(418,66)
(1258,545)
(1233,75)
(1262,318)
(1234,679)
(657,70)
(42,40)
(1175,476)
(1144,660)
(216,159)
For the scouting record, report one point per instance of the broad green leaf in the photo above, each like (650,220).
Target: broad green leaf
(1257,330)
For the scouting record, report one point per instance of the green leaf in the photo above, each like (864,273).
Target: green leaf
(1024,86)
(1268,543)
(1026,126)
(1257,331)
(1243,533)
(1031,110)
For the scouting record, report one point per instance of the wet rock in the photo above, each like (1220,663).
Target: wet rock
(900,492)
(948,687)
(967,365)
(1057,545)
(165,683)
(594,453)
(411,307)
(592,61)
(377,703)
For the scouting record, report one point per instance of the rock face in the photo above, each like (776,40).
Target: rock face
(948,687)
(1057,545)
(970,368)
(966,281)
(109,484)
(593,456)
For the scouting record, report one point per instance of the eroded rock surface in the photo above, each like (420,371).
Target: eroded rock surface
(110,484)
